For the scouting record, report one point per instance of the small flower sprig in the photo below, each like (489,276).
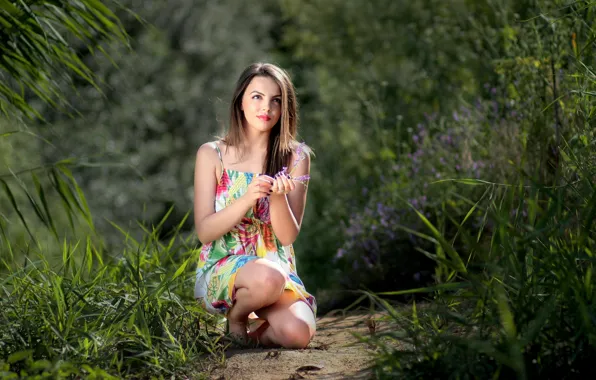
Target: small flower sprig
(300,155)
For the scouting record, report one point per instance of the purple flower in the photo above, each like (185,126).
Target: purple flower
(455,116)
(466,111)
(380,208)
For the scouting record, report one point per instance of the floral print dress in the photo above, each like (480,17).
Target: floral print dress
(251,239)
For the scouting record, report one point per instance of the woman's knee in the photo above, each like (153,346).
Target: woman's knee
(295,333)
(265,277)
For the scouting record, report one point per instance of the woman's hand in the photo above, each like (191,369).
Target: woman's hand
(258,188)
(282,184)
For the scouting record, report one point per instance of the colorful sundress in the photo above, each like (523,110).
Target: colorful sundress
(251,239)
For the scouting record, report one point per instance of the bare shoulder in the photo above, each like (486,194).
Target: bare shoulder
(301,157)
(207,155)
(301,151)
(207,151)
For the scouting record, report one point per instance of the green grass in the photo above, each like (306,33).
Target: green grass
(524,305)
(100,315)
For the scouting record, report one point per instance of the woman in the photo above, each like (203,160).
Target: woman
(249,198)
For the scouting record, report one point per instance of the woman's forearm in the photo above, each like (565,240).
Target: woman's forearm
(214,226)
(283,221)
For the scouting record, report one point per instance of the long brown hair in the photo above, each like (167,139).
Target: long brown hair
(282,139)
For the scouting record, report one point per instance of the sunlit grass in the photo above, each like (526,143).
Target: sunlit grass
(96,313)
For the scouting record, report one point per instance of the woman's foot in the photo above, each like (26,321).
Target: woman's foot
(238,330)
(256,330)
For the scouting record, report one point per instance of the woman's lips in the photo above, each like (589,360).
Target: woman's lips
(264,117)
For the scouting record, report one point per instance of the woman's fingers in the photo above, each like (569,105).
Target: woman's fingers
(266,178)
(291,183)
(283,184)
(279,183)
(288,183)
(276,185)
(263,181)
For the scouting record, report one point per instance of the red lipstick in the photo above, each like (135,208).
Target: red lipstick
(264,117)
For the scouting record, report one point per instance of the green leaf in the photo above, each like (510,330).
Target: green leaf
(16,207)
(19,356)
(180,270)
(458,262)
(429,289)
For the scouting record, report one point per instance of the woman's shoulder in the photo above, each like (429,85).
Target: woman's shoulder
(301,151)
(209,150)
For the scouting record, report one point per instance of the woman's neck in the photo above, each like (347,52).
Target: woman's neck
(255,141)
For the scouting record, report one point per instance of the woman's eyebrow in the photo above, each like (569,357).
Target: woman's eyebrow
(260,93)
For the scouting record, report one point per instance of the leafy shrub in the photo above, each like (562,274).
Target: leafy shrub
(523,305)
(382,249)
(128,315)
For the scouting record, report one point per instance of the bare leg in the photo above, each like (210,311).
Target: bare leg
(258,284)
(292,322)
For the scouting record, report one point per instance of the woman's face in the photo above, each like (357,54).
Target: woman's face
(261,103)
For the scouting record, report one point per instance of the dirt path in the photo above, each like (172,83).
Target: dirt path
(334,353)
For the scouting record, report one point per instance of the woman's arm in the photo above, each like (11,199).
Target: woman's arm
(287,210)
(211,225)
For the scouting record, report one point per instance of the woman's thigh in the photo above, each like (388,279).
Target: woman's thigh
(259,272)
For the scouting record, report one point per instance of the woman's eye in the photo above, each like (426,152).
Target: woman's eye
(256,96)
(278,101)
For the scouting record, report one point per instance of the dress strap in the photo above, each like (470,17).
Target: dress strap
(216,146)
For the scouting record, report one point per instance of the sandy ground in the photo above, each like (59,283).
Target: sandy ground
(334,353)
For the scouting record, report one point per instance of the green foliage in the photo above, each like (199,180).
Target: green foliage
(367,73)
(40,203)
(96,314)
(523,305)
(38,41)
(383,242)
(454,144)
(69,306)
(526,308)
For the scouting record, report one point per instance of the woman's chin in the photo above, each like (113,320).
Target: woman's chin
(262,127)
